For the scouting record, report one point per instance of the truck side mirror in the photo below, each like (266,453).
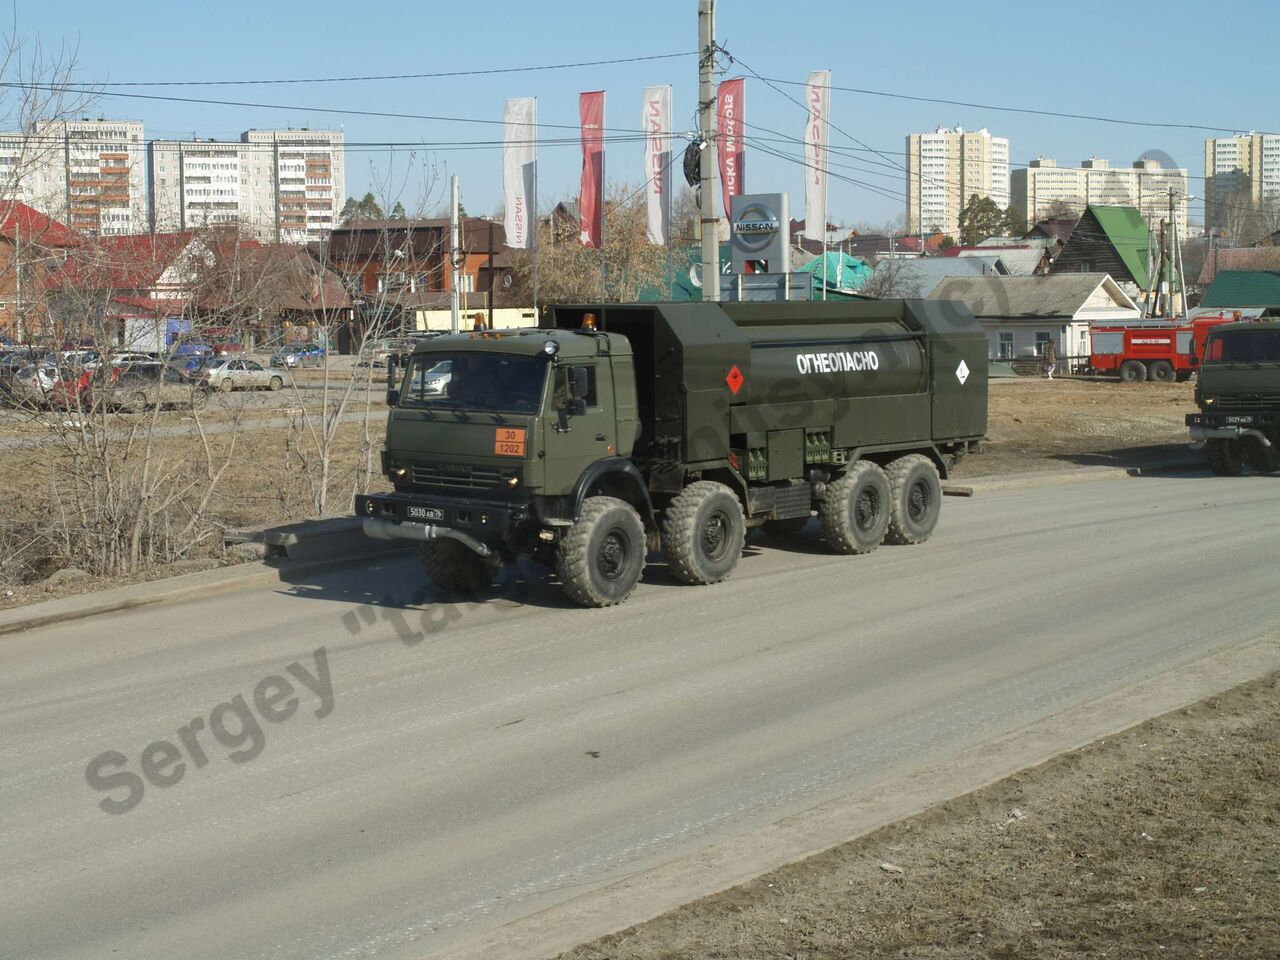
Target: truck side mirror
(393,394)
(576,407)
(579,384)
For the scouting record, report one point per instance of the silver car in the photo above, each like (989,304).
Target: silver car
(233,373)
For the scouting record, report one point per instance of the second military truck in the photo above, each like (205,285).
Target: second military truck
(614,430)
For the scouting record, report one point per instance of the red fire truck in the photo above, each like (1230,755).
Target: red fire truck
(1156,349)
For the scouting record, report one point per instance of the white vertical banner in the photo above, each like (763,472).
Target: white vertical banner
(519,171)
(656,123)
(818,99)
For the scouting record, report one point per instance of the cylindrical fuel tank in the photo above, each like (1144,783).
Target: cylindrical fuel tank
(803,363)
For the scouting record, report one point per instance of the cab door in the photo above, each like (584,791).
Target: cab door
(574,439)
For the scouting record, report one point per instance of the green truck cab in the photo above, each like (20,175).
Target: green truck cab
(615,430)
(1238,393)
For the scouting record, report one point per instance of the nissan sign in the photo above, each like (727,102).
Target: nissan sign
(759,231)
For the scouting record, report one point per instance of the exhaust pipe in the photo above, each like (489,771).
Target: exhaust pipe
(379,529)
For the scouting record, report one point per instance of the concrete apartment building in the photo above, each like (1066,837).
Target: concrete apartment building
(1241,170)
(281,185)
(88,174)
(1042,186)
(945,168)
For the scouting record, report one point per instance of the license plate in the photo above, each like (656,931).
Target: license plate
(425,513)
(509,441)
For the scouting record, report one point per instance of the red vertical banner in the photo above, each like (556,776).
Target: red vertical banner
(729,113)
(591,195)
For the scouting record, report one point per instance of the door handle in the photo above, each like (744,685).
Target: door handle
(601,437)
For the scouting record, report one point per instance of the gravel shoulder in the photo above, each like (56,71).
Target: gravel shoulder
(1158,842)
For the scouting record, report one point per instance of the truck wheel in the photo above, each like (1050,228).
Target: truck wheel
(916,499)
(1133,371)
(1224,457)
(453,567)
(600,559)
(275,383)
(1161,371)
(1263,459)
(703,531)
(854,510)
(790,527)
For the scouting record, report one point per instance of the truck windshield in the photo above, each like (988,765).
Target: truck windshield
(1244,346)
(481,381)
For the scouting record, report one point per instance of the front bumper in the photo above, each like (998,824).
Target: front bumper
(1230,426)
(480,524)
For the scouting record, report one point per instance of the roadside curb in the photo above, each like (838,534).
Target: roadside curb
(653,892)
(173,590)
(1081,475)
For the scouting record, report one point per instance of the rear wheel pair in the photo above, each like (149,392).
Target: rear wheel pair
(870,504)
(1227,457)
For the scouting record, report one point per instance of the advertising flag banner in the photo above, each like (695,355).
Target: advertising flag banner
(729,115)
(656,122)
(520,170)
(591,195)
(817,98)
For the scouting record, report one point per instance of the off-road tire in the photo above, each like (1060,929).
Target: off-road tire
(915,499)
(1161,371)
(600,559)
(1226,459)
(275,383)
(1262,459)
(453,567)
(790,527)
(855,509)
(703,532)
(1133,371)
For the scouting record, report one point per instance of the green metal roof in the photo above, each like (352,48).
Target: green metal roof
(1243,288)
(1128,233)
(844,273)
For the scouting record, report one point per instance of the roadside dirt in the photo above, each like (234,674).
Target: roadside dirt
(1158,843)
(1036,425)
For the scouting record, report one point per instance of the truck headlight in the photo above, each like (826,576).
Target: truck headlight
(399,472)
(513,481)
(1210,401)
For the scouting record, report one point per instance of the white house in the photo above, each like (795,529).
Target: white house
(1020,314)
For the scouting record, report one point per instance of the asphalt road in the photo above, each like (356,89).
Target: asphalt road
(521,752)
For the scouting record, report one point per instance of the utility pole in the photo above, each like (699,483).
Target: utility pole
(455,256)
(707,155)
(490,298)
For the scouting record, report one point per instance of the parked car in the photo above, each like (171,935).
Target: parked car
(10,365)
(190,347)
(32,383)
(299,355)
(435,380)
(232,373)
(144,386)
(377,353)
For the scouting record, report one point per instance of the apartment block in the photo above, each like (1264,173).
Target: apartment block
(88,174)
(299,176)
(1241,170)
(281,185)
(947,167)
(1042,188)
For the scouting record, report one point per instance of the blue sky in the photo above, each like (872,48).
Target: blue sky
(1191,62)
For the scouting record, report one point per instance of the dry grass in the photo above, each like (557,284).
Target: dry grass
(1158,843)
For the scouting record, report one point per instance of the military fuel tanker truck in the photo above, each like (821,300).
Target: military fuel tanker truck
(1238,392)
(614,430)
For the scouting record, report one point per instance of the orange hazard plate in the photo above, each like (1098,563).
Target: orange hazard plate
(509,441)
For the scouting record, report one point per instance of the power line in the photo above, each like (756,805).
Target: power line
(1030,110)
(399,76)
(387,114)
